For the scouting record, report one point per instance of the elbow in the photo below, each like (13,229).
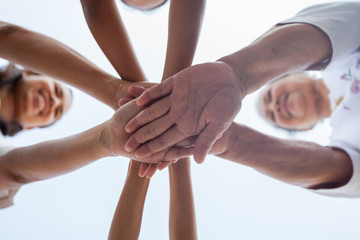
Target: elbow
(338,175)
(21,179)
(7,29)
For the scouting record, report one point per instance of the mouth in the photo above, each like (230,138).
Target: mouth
(41,102)
(285,105)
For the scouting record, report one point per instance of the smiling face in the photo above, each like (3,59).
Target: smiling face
(40,101)
(144,4)
(295,102)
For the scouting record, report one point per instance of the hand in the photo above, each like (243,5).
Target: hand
(201,100)
(127,91)
(113,137)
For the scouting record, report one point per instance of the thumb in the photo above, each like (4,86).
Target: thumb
(136,91)
(206,140)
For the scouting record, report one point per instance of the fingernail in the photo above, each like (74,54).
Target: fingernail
(127,148)
(127,129)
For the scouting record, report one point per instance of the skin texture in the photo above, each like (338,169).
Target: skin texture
(280,51)
(58,61)
(295,102)
(53,158)
(49,159)
(300,163)
(184,23)
(203,100)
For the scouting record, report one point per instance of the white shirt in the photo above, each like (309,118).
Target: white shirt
(340,21)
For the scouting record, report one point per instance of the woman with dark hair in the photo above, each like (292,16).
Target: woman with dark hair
(30,100)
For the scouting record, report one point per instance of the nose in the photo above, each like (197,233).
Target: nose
(273,105)
(54,102)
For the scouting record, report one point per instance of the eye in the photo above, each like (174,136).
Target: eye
(58,112)
(272,116)
(58,91)
(269,97)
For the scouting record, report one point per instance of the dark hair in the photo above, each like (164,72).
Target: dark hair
(145,10)
(10,75)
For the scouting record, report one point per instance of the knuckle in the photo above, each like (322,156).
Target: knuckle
(151,131)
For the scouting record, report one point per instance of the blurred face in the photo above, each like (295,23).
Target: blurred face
(294,102)
(40,101)
(144,4)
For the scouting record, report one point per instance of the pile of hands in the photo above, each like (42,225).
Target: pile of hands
(169,121)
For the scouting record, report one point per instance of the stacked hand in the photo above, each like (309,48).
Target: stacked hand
(113,137)
(200,101)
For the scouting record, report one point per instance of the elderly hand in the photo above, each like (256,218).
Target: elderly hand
(201,100)
(113,137)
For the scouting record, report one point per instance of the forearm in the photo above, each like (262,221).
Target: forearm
(299,163)
(105,24)
(282,50)
(47,56)
(182,223)
(126,222)
(49,159)
(185,19)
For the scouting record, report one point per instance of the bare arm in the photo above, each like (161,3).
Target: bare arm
(185,19)
(105,23)
(126,222)
(182,221)
(282,50)
(53,158)
(203,100)
(47,56)
(300,163)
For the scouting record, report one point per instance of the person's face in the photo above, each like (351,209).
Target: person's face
(294,102)
(144,4)
(40,101)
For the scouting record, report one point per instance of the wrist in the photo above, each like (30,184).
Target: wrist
(115,89)
(229,67)
(104,140)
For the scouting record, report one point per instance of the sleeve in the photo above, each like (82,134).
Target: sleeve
(6,196)
(340,21)
(352,188)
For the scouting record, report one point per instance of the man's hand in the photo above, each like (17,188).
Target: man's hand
(113,137)
(201,100)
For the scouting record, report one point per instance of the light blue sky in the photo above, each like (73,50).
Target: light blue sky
(232,201)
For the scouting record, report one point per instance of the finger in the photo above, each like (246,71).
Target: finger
(167,139)
(177,153)
(187,142)
(136,90)
(143,169)
(163,165)
(206,140)
(149,114)
(151,171)
(148,132)
(160,90)
(123,101)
